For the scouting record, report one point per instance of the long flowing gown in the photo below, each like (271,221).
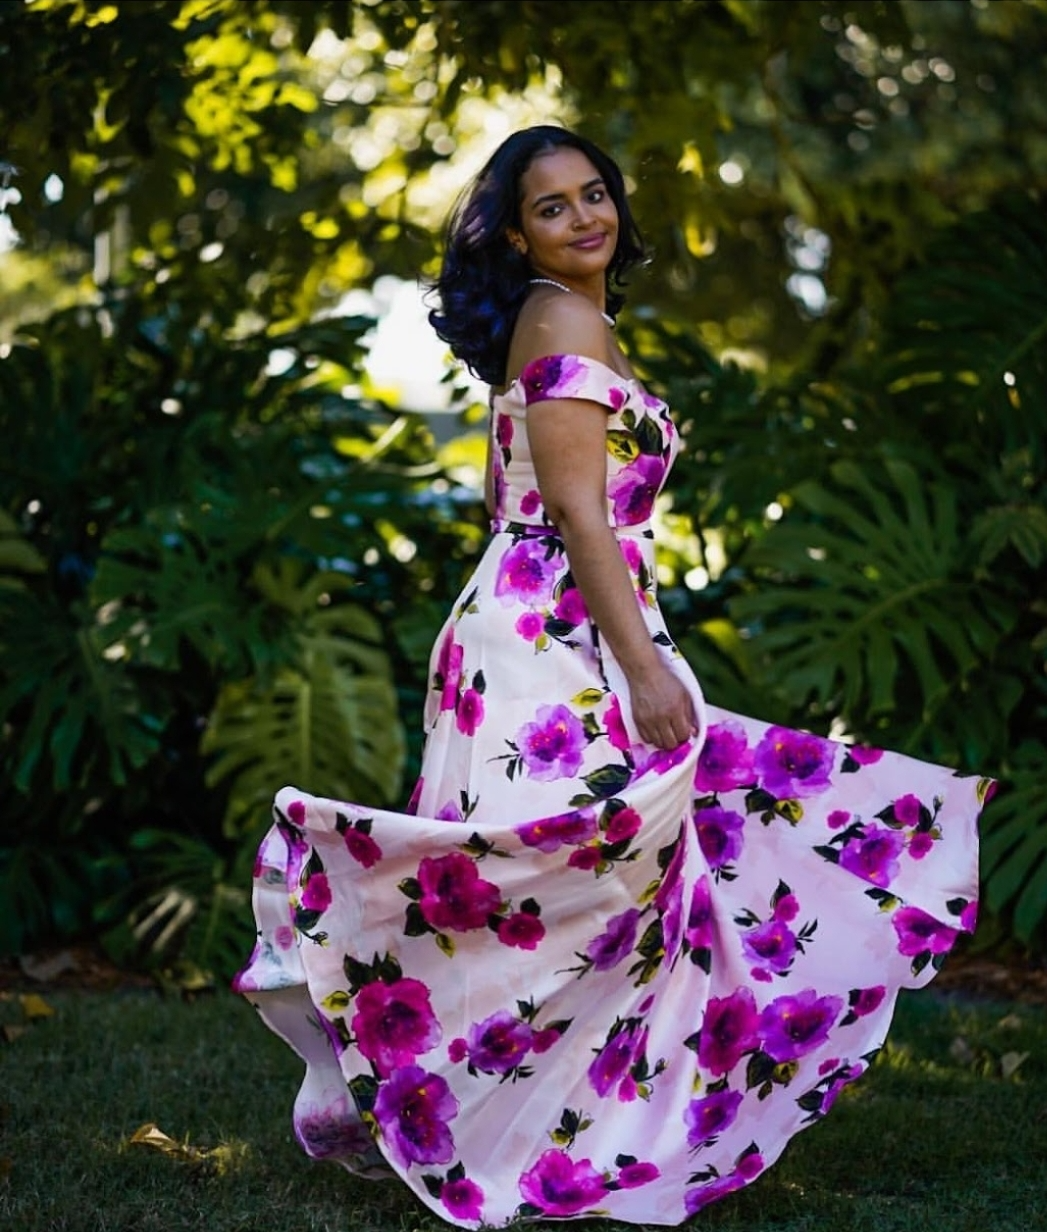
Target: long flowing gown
(582,976)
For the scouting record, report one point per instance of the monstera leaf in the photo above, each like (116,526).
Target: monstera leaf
(328,724)
(1014,846)
(870,592)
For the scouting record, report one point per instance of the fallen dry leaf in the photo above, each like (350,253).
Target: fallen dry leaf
(34,1006)
(1010,1063)
(12,1031)
(219,1158)
(44,969)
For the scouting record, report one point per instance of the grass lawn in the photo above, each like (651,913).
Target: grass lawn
(945,1134)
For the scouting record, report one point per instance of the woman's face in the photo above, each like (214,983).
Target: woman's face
(568,222)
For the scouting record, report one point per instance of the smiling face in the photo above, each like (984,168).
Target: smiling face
(568,221)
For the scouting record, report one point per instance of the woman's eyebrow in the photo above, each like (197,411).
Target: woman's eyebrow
(558,196)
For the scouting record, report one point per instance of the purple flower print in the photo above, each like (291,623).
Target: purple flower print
(525,575)
(394,1023)
(543,378)
(787,908)
(470,712)
(449,667)
(633,554)
(969,917)
(316,896)
(504,430)
(362,847)
(729,1030)
(521,930)
(719,834)
(726,761)
(296,812)
(413,1109)
(793,764)
(463,1198)
(707,1117)
(699,931)
(623,825)
(585,858)
(634,489)
(499,1043)
(866,1001)
(557,1185)
(920,933)
(632,1176)
(611,1065)
(907,810)
(920,844)
(794,1025)
(530,626)
(873,855)
(551,833)
(864,755)
(544,1039)
(454,895)
(570,607)
(837,819)
(552,746)
(332,1131)
(616,942)
(697,1199)
(661,761)
(530,502)
(771,945)
(671,907)
(612,718)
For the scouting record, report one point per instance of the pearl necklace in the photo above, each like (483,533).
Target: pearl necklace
(560,286)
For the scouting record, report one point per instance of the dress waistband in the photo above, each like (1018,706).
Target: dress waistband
(504,526)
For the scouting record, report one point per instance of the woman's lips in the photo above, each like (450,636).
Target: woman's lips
(589,241)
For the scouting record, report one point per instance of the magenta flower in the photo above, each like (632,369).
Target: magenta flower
(413,1109)
(463,1198)
(794,1025)
(550,833)
(499,1043)
(726,761)
(552,746)
(530,626)
(610,1067)
(907,810)
(632,1176)
(362,847)
(571,607)
(793,764)
(707,1117)
(873,855)
(866,1001)
(585,858)
(919,933)
(719,834)
(552,376)
(661,761)
(557,1185)
(623,825)
(615,942)
(521,930)
(454,895)
(450,668)
(503,430)
(729,1030)
(525,575)
(470,712)
(530,502)
(633,554)
(544,1039)
(969,917)
(612,718)
(333,1131)
(697,1199)
(787,908)
(920,844)
(296,812)
(457,1050)
(394,1023)
(634,488)
(864,755)
(837,819)
(316,896)
(699,931)
(772,944)
(449,811)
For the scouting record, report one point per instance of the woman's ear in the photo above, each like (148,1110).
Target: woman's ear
(516,240)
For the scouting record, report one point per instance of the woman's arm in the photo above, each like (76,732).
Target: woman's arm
(568,440)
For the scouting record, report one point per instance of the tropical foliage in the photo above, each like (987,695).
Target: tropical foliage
(223,555)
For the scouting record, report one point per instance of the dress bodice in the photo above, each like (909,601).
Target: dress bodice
(642,441)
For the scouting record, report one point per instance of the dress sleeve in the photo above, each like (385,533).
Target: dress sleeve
(574,376)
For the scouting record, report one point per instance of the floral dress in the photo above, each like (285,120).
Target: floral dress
(582,976)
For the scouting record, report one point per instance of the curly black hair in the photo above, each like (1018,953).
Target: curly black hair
(483,280)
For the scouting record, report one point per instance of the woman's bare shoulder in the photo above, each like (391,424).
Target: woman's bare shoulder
(559,323)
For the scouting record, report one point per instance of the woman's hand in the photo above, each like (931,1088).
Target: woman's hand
(663,710)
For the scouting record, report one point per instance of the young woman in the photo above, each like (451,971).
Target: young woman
(624,945)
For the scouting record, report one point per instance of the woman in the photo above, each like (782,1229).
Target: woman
(625,944)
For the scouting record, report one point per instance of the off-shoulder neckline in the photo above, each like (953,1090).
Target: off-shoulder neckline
(585,359)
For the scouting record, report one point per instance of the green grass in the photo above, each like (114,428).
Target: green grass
(935,1139)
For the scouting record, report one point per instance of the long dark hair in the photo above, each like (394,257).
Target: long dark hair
(483,280)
